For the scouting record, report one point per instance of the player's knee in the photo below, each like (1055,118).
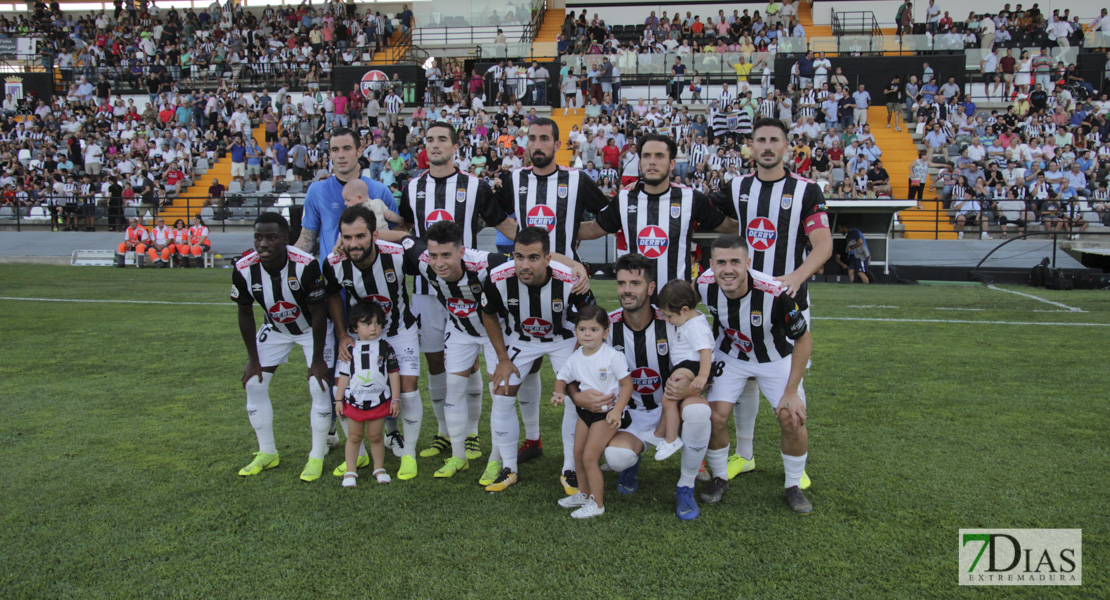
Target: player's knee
(784,419)
(620,459)
(718,419)
(504,403)
(696,413)
(255,387)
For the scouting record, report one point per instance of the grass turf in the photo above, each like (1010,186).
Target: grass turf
(124,428)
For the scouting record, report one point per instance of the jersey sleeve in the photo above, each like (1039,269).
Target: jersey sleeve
(491,299)
(312,282)
(488,207)
(505,192)
(310,218)
(814,210)
(788,316)
(343,368)
(707,215)
(240,293)
(619,365)
(496,259)
(391,365)
(609,218)
(405,209)
(722,201)
(331,281)
(414,247)
(700,335)
(591,197)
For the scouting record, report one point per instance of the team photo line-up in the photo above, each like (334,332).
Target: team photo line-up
(652,372)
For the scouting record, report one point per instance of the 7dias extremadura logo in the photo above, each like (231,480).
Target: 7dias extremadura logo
(1021,557)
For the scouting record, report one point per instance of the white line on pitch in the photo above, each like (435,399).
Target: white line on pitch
(870,306)
(964,309)
(89,301)
(1037,298)
(958,321)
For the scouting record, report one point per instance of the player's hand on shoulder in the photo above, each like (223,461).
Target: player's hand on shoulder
(346,344)
(582,281)
(791,282)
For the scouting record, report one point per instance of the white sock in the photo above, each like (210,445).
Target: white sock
(455,414)
(473,402)
(695,439)
(744,413)
(570,421)
(437,391)
(344,423)
(793,466)
(505,428)
(717,461)
(261,412)
(319,418)
(529,397)
(412,413)
(620,459)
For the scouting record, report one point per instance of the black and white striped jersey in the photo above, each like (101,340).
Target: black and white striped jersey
(553,202)
(369,369)
(462,197)
(648,355)
(461,298)
(383,282)
(760,326)
(661,226)
(285,296)
(775,217)
(534,314)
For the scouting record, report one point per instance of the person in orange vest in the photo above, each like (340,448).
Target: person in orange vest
(135,238)
(198,240)
(181,249)
(161,244)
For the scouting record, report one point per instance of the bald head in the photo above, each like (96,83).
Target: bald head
(356,192)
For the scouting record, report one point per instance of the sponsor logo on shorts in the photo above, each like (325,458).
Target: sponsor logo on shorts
(234,292)
(537,327)
(284,312)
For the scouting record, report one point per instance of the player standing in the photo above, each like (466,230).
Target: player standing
(777,210)
(526,311)
(287,283)
(372,270)
(554,199)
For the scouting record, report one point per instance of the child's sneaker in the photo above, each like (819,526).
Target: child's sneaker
(382,476)
(574,501)
(666,449)
(590,509)
(350,479)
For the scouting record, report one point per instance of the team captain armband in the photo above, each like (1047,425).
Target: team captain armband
(816,221)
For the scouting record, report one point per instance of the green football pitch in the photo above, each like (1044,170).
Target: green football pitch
(931,409)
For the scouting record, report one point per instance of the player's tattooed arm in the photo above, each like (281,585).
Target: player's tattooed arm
(307,241)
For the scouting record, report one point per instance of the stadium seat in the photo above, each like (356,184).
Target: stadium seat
(234,187)
(38,214)
(207,213)
(284,200)
(266,186)
(296,187)
(250,187)
(267,200)
(6,212)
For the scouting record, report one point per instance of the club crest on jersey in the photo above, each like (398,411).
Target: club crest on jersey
(653,241)
(460,307)
(284,312)
(541,216)
(391,277)
(676,211)
(761,234)
(557,306)
(536,327)
(294,283)
(475,288)
(739,340)
(661,348)
(460,195)
(382,301)
(602,374)
(646,381)
(563,191)
(787,200)
(757,318)
(436,216)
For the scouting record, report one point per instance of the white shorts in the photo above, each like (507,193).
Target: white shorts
(274,346)
(523,354)
(431,321)
(770,377)
(238,169)
(461,350)
(644,423)
(405,346)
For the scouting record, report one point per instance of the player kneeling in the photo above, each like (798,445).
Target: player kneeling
(595,365)
(367,390)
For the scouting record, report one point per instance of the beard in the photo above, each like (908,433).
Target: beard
(661,180)
(541,160)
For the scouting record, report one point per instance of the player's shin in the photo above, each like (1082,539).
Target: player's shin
(744,413)
(455,412)
(437,391)
(319,417)
(261,412)
(412,414)
(506,429)
(696,428)
(529,395)
(570,423)
(473,402)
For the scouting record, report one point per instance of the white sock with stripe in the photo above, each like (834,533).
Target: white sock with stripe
(412,414)
(505,428)
(319,418)
(717,461)
(529,397)
(455,414)
(261,412)
(743,414)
